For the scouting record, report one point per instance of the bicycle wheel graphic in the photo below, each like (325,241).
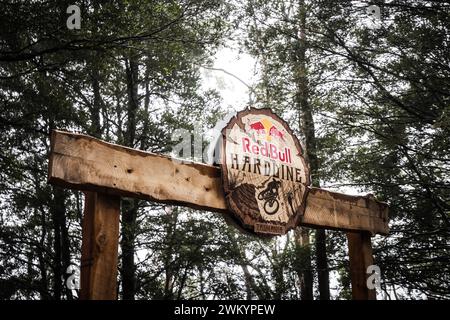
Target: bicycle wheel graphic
(271,207)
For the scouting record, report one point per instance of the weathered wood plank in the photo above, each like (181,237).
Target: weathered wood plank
(85,163)
(340,211)
(360,257)
(99,247)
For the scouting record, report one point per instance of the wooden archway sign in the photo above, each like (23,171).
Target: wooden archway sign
(106,172)
(265,175)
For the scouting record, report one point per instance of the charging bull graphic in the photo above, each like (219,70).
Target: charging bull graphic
(265,127)
(264,172)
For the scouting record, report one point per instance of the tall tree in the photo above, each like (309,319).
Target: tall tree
(278,36)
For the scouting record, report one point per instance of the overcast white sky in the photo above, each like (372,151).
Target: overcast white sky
(234,93)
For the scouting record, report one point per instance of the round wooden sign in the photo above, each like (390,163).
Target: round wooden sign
(265,175)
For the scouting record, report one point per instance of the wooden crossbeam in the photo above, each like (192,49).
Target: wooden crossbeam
(82,162)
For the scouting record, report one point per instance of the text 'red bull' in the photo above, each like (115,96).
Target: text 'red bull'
(267,150)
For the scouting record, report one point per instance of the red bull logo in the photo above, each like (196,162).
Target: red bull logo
(274,132)
(266,127)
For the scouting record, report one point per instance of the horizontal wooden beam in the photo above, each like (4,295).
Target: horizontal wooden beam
(81,162)
(334,210)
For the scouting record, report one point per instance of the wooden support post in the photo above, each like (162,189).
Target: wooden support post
(99,248)
(360,254)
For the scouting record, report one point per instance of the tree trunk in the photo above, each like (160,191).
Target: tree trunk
(303,263)
(97,103)
(172,220)
(65,250)
(43,287)
(61,246)
(322,265)
(95,128)
(129,211)
(144,145)
(308,130)
(251,287)
(132,72)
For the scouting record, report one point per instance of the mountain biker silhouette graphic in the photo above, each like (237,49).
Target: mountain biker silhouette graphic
(270,195)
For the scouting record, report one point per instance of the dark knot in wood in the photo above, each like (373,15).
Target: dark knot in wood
(101,241)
